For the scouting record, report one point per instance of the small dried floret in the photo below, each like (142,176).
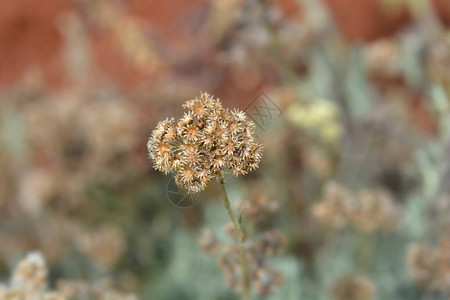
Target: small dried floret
(272,242)
(267,281)
(230,229)
(257,253)
(207,142)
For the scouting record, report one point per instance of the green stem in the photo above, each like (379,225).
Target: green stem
(241,239)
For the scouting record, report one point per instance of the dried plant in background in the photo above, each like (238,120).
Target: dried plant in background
(103,246)
(260,247)
(375,210)
(332,212)
(258,207)
(429,266)
(78,148)
(369,211)
(258,251)
(29,281)
(353,287)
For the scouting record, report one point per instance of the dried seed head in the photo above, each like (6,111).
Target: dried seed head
(207,142)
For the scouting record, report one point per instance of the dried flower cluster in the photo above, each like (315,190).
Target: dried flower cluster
(29,282)
(430,266)
(205,143)
(353,287)
(264,280)
(371,211)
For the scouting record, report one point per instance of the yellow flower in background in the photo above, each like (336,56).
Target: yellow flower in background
(320,118)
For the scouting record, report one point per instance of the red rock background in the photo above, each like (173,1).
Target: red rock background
(30,38)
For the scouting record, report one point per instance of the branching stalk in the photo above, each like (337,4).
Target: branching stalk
(241,239)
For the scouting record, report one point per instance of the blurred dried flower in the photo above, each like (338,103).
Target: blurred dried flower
(230,229)
(333,210)
(205,143)
(271,243)
(430,266)
(319,162)
(257,207)
(230,265)
(208,241)
(258,252)
(117,135)
(66,133)
(104,246)
(29,281)
(353,287)
(73,289)
(267,281)
(373,210)
(421,263)
(30,276)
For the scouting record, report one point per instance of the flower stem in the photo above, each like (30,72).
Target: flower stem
(241,238)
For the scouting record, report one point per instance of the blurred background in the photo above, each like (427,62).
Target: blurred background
(355,169)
